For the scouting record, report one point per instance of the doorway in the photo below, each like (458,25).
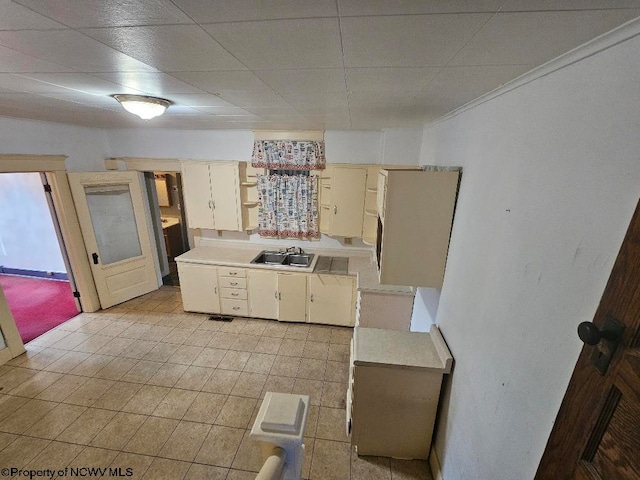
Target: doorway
(169,201)
(34,268)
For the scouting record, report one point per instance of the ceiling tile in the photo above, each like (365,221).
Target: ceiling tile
(96,101)
(388,100)
(168,47)
(241,10)
(323,110)
(17,17)
(536,37)
(81,82)
(389,79)
(198,100)
(282,44)
(72,49)
(227,81)
(475,79)
(533,5)
(12,61)
(151,83)
(228,111)
(254,100)
(272,111)
(304,81)
(319,99)
(407,41)
(349,8)
(20,83)
(100,13)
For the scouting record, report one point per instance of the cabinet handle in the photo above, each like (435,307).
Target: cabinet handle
(236,308)
(215,290)
(276,295)
(311,297)
(279,296)
(233,283)
(234,294)
(233,274)
(210,205)
(214,204)
(335,209)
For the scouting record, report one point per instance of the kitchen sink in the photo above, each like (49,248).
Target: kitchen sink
(300,260)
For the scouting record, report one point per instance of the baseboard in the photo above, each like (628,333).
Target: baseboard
(34,273)
(434,463)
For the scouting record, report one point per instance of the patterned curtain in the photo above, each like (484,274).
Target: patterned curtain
(290,155)
(288,206)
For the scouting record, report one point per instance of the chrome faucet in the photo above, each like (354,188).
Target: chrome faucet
(293,250)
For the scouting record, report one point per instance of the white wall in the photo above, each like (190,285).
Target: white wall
(551,177)
(86,148)
(401,146)
(28,239)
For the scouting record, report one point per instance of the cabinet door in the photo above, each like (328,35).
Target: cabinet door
(263,294)
(347,201)
(381,194)
(197,195)
(292,297)
(331,300)
(199,287)
(225,194)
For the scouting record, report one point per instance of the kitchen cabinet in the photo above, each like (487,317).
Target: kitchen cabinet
(292,297)
(391,311)
(249,195)
(393,391)
(342,201)
(172,232)
(370,219)
(212,195)
(233,291)
(199,287)
(331,300)
(263,293)
(416,213)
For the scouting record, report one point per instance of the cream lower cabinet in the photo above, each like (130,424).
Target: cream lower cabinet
(262,286)
(292,297)
(342,195)
(199,287)
(331,300)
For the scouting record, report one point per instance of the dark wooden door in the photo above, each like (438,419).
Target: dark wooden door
(596,435)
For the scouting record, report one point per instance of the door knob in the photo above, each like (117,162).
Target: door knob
(590,334)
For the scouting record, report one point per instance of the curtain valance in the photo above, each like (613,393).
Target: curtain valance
(288,154)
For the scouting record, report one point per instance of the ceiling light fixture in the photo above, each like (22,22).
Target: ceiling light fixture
(142,105)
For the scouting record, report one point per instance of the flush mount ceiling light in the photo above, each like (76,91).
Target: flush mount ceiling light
(143,106)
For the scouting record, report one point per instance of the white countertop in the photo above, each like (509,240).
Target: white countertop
(169,222)
(406,350)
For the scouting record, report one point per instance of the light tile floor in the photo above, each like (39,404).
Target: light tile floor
(173,395)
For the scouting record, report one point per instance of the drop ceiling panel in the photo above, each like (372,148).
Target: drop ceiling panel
(224,111)
(304,81)
(228,81)
(168,47)
(473,79)
(536,37)
(242,10)
(349,8)
(381,79)
(12,61)
(80,82)
(198,100)
(254,100)
(282,44)
(72,49)
(319,99)
(99,13)
(387,100)
(20,83)
(150,83)
(17,17)
(533,5)
(407,41)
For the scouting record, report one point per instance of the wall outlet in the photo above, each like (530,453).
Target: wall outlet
(347,241)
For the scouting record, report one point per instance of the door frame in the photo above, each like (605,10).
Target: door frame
(53,166)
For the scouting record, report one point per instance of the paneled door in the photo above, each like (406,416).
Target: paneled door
(112,213)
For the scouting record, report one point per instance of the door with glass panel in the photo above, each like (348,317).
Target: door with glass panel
(112,213)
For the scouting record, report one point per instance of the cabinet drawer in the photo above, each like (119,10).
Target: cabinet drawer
(234,307)
(232,272)
(234,293)
(233,282)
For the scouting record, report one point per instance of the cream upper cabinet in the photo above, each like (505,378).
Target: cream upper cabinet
(212,195)
(417,216)
(262,286)
(199,287)
(292,297)
(331,299)
(347,201)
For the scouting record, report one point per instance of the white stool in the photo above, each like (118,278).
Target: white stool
(280,423)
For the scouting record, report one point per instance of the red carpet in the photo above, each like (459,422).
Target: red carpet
(37,304)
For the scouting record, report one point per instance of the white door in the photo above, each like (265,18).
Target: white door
(112,214)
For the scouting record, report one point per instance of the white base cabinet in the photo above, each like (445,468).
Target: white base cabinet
(199,287)
(262,286)
(393,391)
(331,300)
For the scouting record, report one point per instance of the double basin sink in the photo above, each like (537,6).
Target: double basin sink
(301,260)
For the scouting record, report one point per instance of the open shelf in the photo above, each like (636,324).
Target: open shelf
(250,204)
(369,240)
(248,184)
(372,190)
(372,213)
